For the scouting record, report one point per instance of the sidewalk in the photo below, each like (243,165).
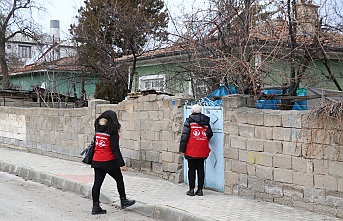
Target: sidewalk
(155,197)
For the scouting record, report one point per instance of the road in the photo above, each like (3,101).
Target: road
(26,200)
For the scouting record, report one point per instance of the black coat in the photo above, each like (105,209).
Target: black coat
(198,118)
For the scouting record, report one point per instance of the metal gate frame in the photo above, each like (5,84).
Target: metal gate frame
(214,164)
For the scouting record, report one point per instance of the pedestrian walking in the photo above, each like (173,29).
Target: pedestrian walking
(107,159)
(194,144)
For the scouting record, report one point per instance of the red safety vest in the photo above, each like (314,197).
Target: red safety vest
(197,145)
(103,151)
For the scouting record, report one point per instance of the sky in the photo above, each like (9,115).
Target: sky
(62,10)
(66,10)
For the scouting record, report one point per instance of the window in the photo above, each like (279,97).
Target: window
(24,51)
(151,82)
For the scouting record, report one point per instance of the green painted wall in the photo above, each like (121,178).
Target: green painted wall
(177,79)
(313,78)
(60,82)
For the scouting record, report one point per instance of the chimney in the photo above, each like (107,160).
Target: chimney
(55,30)
(307,17)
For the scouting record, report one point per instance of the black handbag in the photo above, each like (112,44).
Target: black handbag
(89,152)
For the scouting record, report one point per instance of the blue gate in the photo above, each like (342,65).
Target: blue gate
(214,164)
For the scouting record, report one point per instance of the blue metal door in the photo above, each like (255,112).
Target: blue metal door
(214,164)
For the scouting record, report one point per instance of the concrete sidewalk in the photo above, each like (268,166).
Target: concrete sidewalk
(155,197)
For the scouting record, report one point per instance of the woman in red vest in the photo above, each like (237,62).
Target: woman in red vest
(107,159)
(196,134)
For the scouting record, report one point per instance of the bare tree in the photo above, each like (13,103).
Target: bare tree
(252,44)
(15,18)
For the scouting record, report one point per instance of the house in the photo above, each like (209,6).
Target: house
(49,66)
(22,50)
(170,69)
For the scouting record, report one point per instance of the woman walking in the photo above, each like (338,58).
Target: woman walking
(107,159)
(196,134)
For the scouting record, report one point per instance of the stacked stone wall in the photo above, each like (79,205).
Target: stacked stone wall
(267,158)
(149,137)
(266,153)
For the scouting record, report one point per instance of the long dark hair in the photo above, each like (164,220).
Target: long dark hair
(112,125)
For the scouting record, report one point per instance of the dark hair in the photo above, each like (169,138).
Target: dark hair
(112,125)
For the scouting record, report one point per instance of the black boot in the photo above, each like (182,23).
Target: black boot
(190,192)
(199,192)
(97,209)
(126,203)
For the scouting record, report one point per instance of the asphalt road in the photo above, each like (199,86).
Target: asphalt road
(26,200)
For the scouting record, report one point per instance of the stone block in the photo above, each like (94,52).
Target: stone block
(273,147)
(282,161)
(251,169)
(255,184)
(282,134)
(264,197)
(304,205)
(255,145)
(153,156)
(335,169)
(167,156)
(238,142)
(292,119)
(325,182)
(245,130)
(247,193)
(239,167)
(231,178)
(231,153)
(264,172)
(231,128)
(264,159)
(325,209)
(302,165)
(272,119)
(283,175)
(334,199)
(291,148)
(167,136)
(293,192)
(264,133)
(284,201)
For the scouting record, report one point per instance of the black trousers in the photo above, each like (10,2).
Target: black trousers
(196,165)
(99,176)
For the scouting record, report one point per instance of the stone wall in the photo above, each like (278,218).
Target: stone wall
(265,151)
(267,158)
(49,131)
(149,137)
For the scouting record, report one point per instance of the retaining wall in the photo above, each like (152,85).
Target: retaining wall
(265,151)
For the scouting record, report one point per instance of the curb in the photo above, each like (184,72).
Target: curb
(154,211)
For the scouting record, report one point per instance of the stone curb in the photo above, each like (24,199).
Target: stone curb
(84,190)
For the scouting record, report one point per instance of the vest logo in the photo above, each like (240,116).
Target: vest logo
(101,143)
(196,133)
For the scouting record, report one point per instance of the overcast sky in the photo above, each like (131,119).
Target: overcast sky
(66,10)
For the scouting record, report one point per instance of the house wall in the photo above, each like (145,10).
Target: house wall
(58,81)
(265,151)
(314,76)
(177,81)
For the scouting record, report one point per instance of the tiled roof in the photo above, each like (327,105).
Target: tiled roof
(62,64)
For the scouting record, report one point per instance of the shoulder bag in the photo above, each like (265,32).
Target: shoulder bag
(88,152)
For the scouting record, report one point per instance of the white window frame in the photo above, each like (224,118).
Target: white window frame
(149,82)
(24,51)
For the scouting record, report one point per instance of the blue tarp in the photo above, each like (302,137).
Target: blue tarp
(261,104)
(271,104)
(220,92)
